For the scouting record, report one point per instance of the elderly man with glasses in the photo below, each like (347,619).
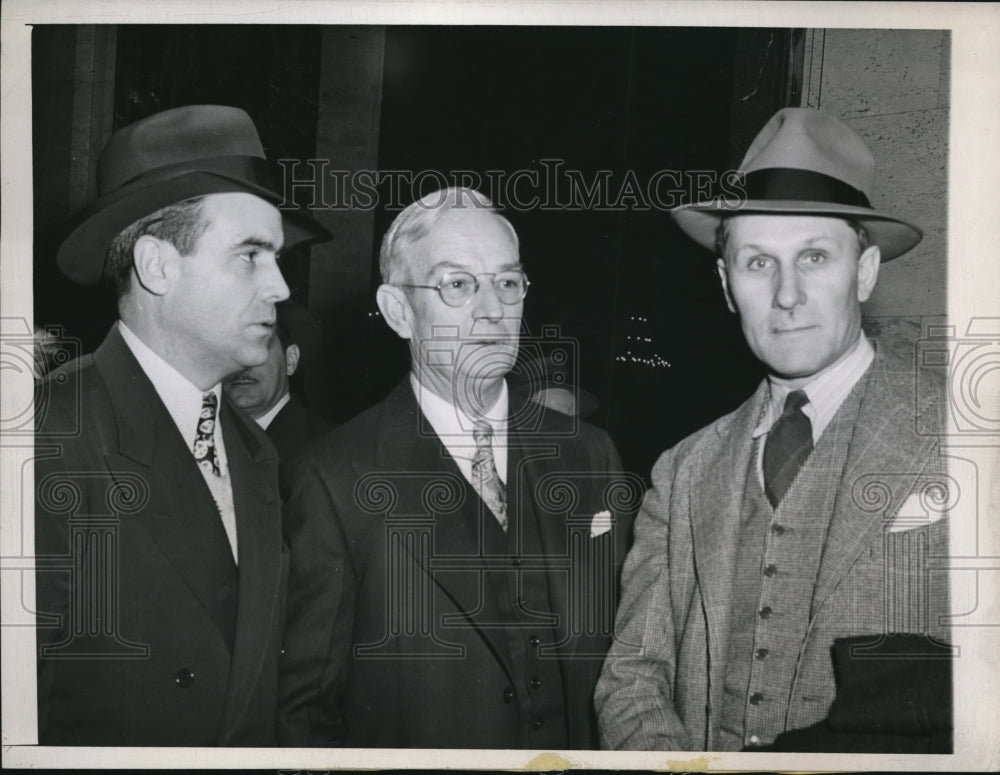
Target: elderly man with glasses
(454,556)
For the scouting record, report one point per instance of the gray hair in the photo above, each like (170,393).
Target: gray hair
(418,219)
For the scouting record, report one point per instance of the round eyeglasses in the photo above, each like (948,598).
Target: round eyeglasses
(456,289)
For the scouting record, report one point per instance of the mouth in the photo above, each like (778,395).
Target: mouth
(793,330)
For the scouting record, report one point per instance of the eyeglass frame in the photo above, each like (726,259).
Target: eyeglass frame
(475,280)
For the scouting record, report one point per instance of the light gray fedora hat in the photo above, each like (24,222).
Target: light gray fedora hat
(805,162)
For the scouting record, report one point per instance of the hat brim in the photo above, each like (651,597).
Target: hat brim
(893,236)
(81,254)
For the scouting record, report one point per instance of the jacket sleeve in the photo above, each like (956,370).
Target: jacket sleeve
(320,614)
(634,696)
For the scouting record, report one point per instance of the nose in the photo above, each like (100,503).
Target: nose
(789,292)
(487,303)
(273,285)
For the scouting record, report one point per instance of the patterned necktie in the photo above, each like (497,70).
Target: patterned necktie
(788,445)
(204,440)
(484,473)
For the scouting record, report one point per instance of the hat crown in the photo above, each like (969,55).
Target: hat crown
(176,136)
(808,139)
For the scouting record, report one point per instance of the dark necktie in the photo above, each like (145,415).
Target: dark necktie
(484,473)
(788,445)
(204,441)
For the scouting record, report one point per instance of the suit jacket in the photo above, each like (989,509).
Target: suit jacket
(136,581)
(379,510)
(661,686)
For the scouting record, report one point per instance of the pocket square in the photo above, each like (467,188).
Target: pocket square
(913,514)
(600,524)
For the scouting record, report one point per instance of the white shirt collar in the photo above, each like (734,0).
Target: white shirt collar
(454,427)
(265,419)
(180,396)
(826,391)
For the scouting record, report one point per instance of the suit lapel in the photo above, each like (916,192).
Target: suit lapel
(251,470)
(885,457)
(181,514)
(408,445)
(716,510)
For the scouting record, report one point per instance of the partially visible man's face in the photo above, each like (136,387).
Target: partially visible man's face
(257,389)
(464,352)
(797,283)
(220,304)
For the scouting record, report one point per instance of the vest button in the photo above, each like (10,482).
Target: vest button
(765,612)
(534,640)
(537,723)
(770,570)
(516,561)
(756,698)
(508,695)
(762,653)
(184,678)
(535,683)
(777,529)
(754,740)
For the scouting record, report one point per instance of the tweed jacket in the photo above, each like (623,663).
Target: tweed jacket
(379,509)
(661,686)
(180,646)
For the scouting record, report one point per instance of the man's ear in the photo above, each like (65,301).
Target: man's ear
(395,308)
(868,264)
(292,355)
(150,262)
(720,266)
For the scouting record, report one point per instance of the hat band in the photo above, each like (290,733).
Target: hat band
(787,183)
(250,169)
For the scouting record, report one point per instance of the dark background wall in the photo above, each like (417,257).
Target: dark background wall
(614,284)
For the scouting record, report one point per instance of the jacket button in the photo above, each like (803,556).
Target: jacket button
(756,698)
(765,612)
(184,678)
(508,695)
(534,640)
(762,653)
(516,561)
(537,723)
(535,683)
(777,529)
(770,570)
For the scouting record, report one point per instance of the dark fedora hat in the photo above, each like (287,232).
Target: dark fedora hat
(166,158)
(805,162)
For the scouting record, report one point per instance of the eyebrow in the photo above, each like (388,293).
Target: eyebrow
(460,268)
(257,242)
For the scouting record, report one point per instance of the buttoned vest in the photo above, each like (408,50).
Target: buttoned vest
(776,567)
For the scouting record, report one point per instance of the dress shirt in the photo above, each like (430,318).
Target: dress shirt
(826,392)
(454,428)
(265,419)
(183,401)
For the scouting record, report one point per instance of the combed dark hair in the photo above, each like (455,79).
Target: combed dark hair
(722,236)
(181,224)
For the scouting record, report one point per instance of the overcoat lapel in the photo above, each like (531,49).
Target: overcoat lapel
(884,459)
(150,446)
(716,510)
(251,471)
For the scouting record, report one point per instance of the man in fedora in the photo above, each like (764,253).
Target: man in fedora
(265,391)
(807,515)
(161,568)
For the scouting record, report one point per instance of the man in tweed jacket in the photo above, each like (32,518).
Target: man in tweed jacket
(810,513)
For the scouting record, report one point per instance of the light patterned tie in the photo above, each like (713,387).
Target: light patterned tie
(788,445)
(204,440)
(484,473)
